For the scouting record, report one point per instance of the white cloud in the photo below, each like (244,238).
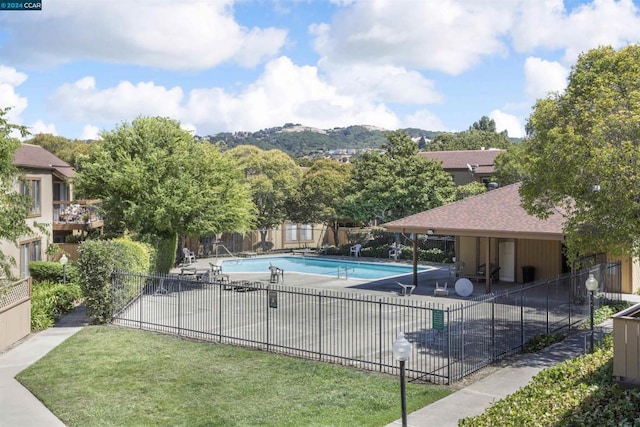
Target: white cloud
(39,127)
(542,77)
(448,36)
(82,100)
(547,24)
(192,35)
(285,92)
(508,122)
(423,119)
(90,132)
(10,78)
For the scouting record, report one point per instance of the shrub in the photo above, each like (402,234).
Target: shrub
(98,261)
(540,341)
(50,300)
(607,309)
(49,271)
(162,252)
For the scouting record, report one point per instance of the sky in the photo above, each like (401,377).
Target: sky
(77,68)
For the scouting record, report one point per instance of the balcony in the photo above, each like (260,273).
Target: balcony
(76,215)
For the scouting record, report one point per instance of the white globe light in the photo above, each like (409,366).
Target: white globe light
(401,348)
(591,283)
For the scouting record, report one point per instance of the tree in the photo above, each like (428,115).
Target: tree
(397,182)
(71,151)
(14,205)
(273,178)
(156,180)
(321,194)
(510,165)
(583,154)
(470,189)
(484,124)
(472,139)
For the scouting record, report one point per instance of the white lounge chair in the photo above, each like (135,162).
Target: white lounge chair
(188,256)
(441,291)
(355,250)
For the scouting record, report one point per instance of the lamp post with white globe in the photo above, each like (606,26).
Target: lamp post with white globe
(592,286)
(63,261)
(401,352)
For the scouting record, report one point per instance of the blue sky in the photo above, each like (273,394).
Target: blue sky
(79,67)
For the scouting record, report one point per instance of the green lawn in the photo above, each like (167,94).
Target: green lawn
(111,376)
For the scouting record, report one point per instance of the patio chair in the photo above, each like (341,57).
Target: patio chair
(455,270)
(440,291)
(482,271)
(188,256)
(395,252)
(355,250)
(276,274)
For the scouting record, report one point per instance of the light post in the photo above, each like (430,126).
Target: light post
(401,352)
(64,260)
(592,286)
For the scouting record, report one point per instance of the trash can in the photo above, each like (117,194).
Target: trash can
(528,274)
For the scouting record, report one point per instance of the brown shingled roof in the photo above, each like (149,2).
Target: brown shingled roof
(36,157)
(496,213)
(458,159)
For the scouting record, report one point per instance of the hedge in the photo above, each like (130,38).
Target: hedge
(99,259)
(50,300)
(49,271)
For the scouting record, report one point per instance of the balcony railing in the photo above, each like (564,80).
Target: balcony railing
(76,214)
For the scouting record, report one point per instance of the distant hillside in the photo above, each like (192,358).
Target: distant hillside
(298,141)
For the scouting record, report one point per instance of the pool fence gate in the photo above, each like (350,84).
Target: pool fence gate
(449,341)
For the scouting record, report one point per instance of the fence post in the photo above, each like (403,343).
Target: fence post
(220,287)
(547,307)
(266,306)
(522,319)
(493,328)
(179,305)
(448,346)
(380,333)
(462,334)
(320,325)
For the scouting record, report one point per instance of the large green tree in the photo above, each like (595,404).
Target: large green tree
(583,154)
(156,180)
(273,178)
(321,194)
(14,205)
(397,182)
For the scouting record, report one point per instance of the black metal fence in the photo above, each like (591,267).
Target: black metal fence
(449,341)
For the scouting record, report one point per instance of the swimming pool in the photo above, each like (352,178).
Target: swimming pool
(312,265)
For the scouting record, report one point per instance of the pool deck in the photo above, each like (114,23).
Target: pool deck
(384,287)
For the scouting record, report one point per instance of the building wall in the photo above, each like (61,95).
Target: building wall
(544,255)
(45,218)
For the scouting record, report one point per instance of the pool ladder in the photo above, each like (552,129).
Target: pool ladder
(346,271)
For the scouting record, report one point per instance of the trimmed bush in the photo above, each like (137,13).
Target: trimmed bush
(162,252)
(50,300)
(49,271)
(99,259)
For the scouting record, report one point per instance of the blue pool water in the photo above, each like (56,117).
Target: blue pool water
(312,265)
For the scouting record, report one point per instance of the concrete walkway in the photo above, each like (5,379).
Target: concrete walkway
(18,407)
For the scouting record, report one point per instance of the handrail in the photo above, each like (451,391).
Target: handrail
(346,271)
(225,248)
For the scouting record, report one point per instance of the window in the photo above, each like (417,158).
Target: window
(32,189)
(29,251)
(291,232)
(306,232)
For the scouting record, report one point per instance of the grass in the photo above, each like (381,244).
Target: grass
(111,376)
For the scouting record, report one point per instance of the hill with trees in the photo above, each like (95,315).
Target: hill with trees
(298,141)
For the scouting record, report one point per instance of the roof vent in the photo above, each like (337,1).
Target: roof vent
(492,185)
